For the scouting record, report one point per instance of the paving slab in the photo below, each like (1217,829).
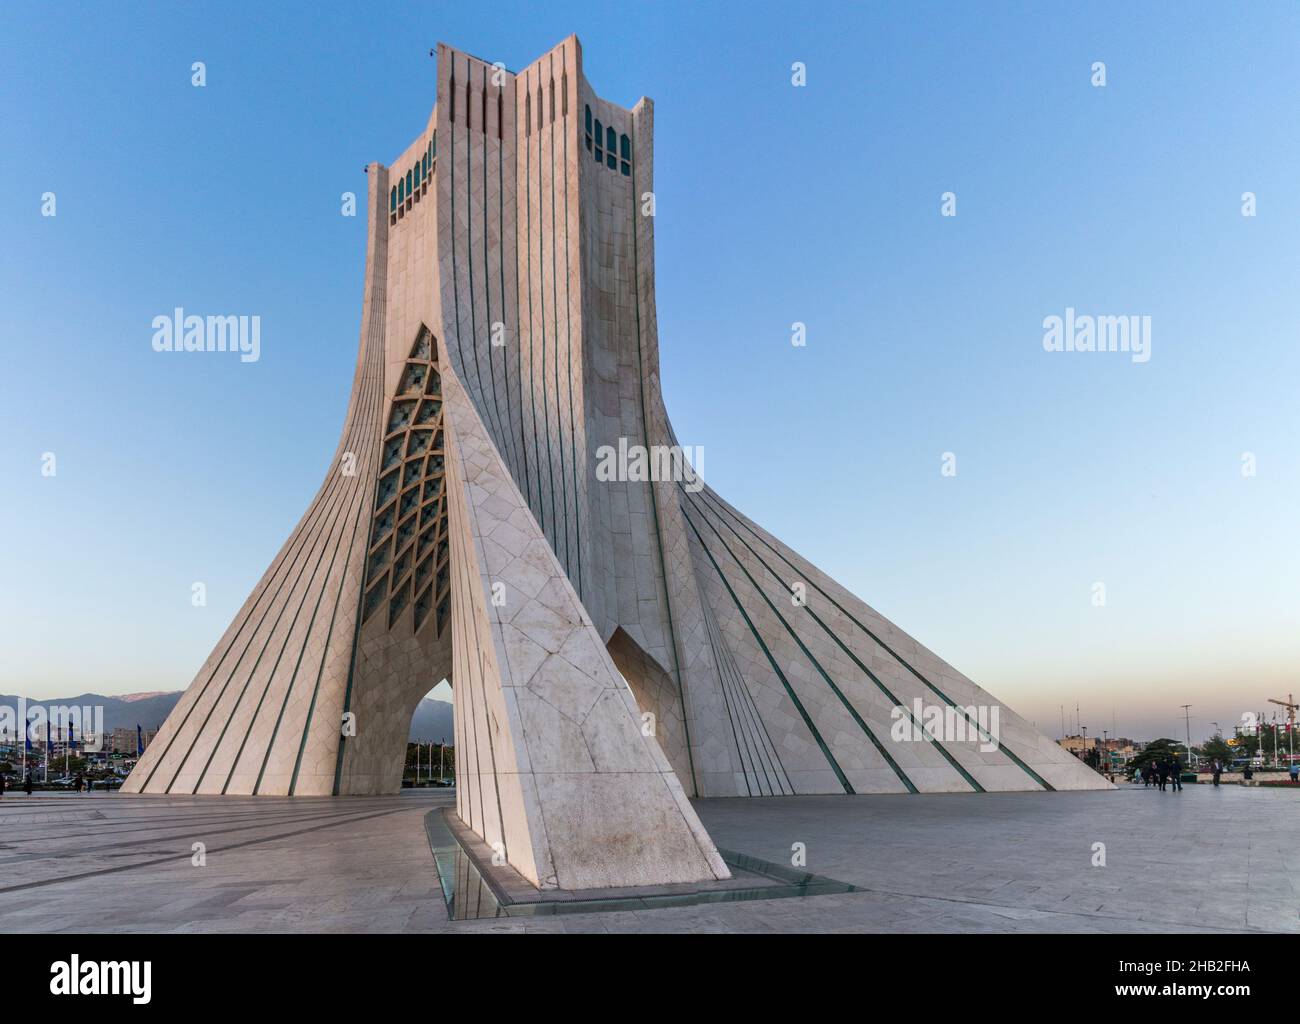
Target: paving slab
(1201,860)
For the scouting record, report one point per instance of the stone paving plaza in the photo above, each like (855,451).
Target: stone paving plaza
(1205,859)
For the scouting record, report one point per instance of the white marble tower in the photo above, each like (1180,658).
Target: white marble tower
(614,646)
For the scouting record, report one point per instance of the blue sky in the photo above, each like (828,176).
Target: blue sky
(775,204)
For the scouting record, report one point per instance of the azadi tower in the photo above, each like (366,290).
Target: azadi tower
(615,646)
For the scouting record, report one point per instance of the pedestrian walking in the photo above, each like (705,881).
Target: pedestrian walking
(1176,774)
(27,784)
(1295,771)
(1216,769)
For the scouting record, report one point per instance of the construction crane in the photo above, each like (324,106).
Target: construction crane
(1290,706)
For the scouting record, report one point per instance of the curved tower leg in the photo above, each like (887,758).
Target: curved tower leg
(553,762)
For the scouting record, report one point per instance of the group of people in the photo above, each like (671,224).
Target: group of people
(1166,772)
(27,784)
(78,784)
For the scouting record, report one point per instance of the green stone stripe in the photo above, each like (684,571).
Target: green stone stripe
(568,342)
(520,460)
(538,509)
(480,395)
(751,723)
(455,273)
(741,750)
(503,435)
(758,726)
(541,293)
(794,699)
(758,755)
(489,410)
(513,239)
(889,650)
(848,705)
(853,657)
(555,319)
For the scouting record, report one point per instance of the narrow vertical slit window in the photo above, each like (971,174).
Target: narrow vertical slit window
(600,143)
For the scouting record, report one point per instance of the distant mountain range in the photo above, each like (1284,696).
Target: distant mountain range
(431,723)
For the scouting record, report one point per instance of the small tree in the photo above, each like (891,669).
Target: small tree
(1159,750)
(1217,750)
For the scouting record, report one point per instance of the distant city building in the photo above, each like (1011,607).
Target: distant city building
(124,740)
